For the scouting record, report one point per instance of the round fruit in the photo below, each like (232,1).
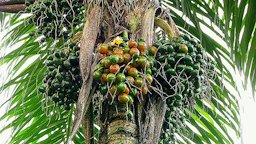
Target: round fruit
(120,77)
(134,50)
(130,79)
(135,56)
(184,48)
(132,44)
(127,57)
(126,49)
(133,72)
(127,90)
(142,46)
(103,49)
(148,71)
(170,49)
(123,98)
(149,78)
(110,52)
(152,50)
(121,59)
(144,90)
(105,62)
(121,87)
(118,51)
(104,78)
(111,77)
(97,75)
(170,72)
(138,82)
(114,59)
(114,68)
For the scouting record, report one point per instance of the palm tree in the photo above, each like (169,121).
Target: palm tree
(35,119)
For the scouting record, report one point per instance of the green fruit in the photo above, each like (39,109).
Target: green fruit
(130,100)
(157,44)
(170,49)
(57,61)
(180,56)
(171,60)
(196,66)
(120,77)
(111,77)
(130,114)
(57,54)
(121,87)
(97,75)
(195,72)
(49,62)
(133,92)
(170,72)
(103,90)
(189,69)
(181,67)
(59,76)
(105,62)
(178,97)
(42,89)
(148,71)
(73,59)
(188,59)
(67,64)
(51,68)
(126,49)
(114,59)
(162,49)
(135,56)
(162,58)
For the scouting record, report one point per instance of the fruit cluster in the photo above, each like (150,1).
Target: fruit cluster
(184,71)
(62,80)
(56,18)
(124,71)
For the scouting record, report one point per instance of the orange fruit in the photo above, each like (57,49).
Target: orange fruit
(132,44)
(118,51)
(127,58)
(114,68)
(142,46)
(103,49)
(134,50)
(127,90)
(104,78)
(144,90)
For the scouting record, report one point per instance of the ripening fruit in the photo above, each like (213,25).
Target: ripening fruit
(103,49)
(97,75)
(133,51)
(144,90)
(104,78)
(132,44)
(138,82)
(127,58)
(123,98)
(127,90)
(183,48)
(118,51)
(111,77)
(133,72)
(152,50)
(114,68)
(149,78)
(142,46)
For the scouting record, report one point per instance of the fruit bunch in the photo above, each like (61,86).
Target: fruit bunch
(124,71)
(184,71)
(62,80)
(56,18)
